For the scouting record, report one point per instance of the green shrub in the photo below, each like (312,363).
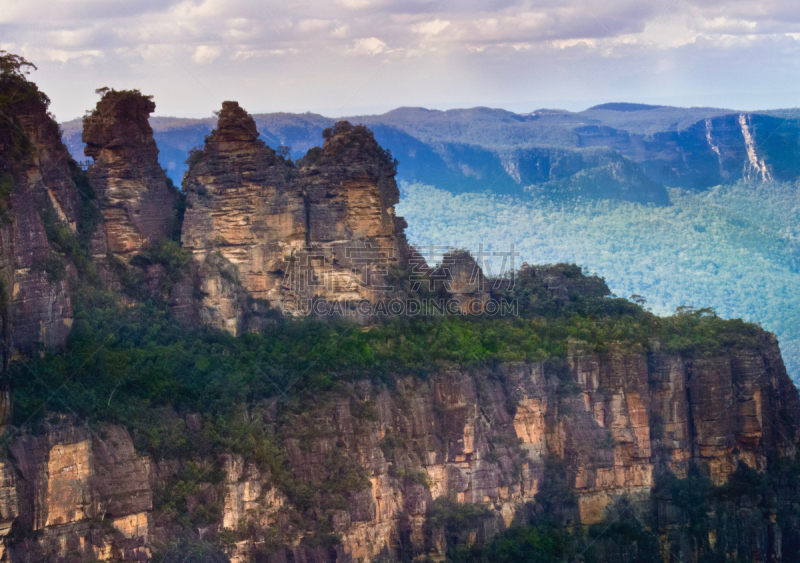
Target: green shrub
(52,265)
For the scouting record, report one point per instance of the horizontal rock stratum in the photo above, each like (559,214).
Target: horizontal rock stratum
(131,186)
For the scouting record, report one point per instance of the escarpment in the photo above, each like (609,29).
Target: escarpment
(376,472)
(134,197)
(323,440)
(350,188)
(78,491)
(264,228)
(38,200)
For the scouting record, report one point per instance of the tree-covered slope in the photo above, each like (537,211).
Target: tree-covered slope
(734,248)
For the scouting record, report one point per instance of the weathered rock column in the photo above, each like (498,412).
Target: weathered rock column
(135,199)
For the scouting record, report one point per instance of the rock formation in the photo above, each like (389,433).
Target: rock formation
(135,200)
(461,277)
(38,192)
(81,491)
(610,423)
(353,233)
(260,227)
(603,425)
(243,217)
(362,472)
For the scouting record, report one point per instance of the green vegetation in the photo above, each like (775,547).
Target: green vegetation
(18,96)
(410,476)
(733,248)
(66,243)
(15,88)
(125,363)
(189,549)
(130,104)
(532,544)
(172,499)
(137,278)
(456,520)
(52,265)
(6,186)
(343,139)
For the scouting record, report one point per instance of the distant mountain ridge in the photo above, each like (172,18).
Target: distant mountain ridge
(577,154)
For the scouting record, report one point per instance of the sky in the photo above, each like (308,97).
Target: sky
(345,57)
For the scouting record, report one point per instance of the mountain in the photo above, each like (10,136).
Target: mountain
(42,192)
(482,148)
(260,227)
(187,409)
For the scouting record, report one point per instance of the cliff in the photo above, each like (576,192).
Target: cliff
(39,199)
(243,217)
(135,200)
(712,151)
(370,471)
(259,226)
(78,491)
(624,435)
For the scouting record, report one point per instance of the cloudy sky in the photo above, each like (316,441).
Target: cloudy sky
(341,57)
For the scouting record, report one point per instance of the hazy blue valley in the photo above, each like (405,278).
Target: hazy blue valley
(733,248)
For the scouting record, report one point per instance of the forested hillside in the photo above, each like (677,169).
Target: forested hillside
(183,414)
(733,248)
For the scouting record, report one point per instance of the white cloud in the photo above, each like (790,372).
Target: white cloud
(368,46)
(566,43)
(471,48)
(355,4)
(340,31)
(243,55)
(62,56)
(434,27)
(205,54)
(314,24)
(148,53)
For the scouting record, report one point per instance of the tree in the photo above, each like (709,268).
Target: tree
(12,65)
(14,84)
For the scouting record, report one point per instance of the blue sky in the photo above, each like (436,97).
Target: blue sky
(341,57)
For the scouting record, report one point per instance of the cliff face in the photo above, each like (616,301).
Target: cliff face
(37,191)
(77,493)
(609,423)
(260,227)
(603,426)
(369,470)
(713,151)
(136,203)
(243,217)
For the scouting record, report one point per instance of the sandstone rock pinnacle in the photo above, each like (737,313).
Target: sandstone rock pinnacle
(264,227)
(135,199)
